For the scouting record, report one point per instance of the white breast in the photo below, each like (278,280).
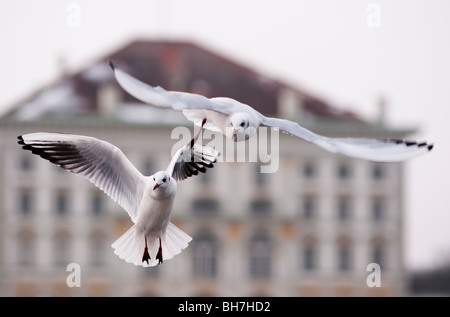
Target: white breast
(154,214)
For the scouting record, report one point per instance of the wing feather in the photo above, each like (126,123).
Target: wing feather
(102,163)
(159,97)
(190,161)
(378,150)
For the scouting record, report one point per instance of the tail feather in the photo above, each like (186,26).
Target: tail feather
(130,246)
(174,241)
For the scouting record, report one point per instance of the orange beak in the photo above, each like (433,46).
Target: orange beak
(156,186)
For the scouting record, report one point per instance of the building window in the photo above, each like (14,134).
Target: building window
(205,206)
(260,207)
(309,170)
(344,208)
(309,207)
(309,255)
(378,208)
(344,255)
(26,202)
(148,167)
(378,172)
(378,255)
(344,171)
(205,256)
(25,163)
(260,255)
(205,178)
(62,203)
(378,251)
(97,203)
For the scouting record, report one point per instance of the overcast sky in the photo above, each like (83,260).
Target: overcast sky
(349,52)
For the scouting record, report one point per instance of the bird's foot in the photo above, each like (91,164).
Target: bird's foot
(146,256)
(159,256)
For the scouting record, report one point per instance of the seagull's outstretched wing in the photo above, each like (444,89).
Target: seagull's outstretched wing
(378,150)
(159,97)
(102,163)
(191,159)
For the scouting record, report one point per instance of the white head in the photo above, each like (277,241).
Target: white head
(239,127)
(163,185)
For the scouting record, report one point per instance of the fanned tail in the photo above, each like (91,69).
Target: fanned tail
(131,245)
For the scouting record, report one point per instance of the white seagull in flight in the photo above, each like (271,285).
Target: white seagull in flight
(239,122)
(148,200)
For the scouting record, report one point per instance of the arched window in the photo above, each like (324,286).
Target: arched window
(344,254)
(378,208)
(309,207)
(309,256)
(62,204)
(309,170)
(344,171)
(378,251)
(205,256)
(260,256)
(26,202)
(344,208)
(97,203)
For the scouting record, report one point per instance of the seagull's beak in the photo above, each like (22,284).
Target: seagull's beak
(156,186)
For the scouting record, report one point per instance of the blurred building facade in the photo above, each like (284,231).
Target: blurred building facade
(310,229)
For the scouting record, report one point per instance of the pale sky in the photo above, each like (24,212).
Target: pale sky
(330,48)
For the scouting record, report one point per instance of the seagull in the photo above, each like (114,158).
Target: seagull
(239,122)
(148,200)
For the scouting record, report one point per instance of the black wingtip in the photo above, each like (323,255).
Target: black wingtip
(111,64)
(430,147)
(21,141)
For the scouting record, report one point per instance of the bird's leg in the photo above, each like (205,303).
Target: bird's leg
(198,133)
(159,256)
(146,255)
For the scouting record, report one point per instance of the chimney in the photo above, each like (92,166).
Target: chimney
(290,104)
(382,107)
(108,97)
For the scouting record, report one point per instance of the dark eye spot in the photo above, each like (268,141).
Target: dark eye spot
(164,179)
(242,124)
(154,179)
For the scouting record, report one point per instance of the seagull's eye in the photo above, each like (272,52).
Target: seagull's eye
(242,124)
(164,180)
(154,179)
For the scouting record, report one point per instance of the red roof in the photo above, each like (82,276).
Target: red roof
(184,66)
